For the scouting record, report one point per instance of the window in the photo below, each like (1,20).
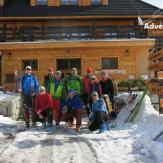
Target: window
(10,78)
(109,63)
(32,63)
(69,2)
(63,64)
(42,2)
(96,2)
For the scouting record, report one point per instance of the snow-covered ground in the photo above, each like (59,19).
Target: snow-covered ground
(127,143)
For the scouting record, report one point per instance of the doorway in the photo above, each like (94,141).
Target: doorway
(65,65)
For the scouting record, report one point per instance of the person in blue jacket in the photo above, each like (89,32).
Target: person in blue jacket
(29,91)
(74,109)
(99,117)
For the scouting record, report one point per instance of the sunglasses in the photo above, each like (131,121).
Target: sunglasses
(41,90)
(93,79)
(28,69)
(94,95)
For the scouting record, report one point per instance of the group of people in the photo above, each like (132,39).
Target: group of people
(63,99)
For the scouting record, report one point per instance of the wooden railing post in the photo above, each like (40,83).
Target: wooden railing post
(33,2)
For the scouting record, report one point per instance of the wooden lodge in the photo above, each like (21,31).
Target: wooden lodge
(102,34)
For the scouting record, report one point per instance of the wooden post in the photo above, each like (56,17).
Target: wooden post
(33,2)
(1,2)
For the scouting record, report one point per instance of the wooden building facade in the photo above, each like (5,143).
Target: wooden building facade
(102,34)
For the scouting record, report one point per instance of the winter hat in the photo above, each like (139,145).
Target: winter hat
(58,72)
(42,88)
(89,70)
(93,77)
(94,93)
(28,67)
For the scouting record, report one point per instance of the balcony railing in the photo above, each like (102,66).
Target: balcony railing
(43,32)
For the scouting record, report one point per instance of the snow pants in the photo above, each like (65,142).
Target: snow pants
(70,115)
(47,116)
(100,119)
(28,103)
(56,110)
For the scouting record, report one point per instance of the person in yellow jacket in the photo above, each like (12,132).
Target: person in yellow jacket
(57,91)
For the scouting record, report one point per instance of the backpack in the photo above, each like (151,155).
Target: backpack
(108,103)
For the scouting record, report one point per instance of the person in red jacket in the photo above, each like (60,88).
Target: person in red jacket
(43,107)
(87,84)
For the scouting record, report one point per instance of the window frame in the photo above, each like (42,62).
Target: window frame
(7,76)
(96,3)
(114,57)
(69,2)
(42,4)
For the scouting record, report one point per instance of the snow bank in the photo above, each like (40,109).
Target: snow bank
(147,125)
(10,104)
(127,143)
(150,123)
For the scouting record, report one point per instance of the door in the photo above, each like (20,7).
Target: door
(65,65)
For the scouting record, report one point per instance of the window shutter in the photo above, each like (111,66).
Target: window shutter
(104,2)
(33,2)
(53,2)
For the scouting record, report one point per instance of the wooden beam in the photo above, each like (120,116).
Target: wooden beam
(76,17)
(155,56)
(78,44)
(156,66)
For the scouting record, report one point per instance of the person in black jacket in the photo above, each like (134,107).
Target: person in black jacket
(107,86)
(47,78)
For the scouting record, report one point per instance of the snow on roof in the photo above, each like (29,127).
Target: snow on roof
(157,3)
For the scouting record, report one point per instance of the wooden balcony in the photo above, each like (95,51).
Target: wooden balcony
(34,33)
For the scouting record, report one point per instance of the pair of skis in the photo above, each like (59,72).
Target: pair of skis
(134,112)
(158,136)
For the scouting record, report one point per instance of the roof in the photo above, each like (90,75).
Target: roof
(14,8)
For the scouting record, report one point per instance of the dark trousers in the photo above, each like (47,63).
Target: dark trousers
(69,116)
(47,116)
(86,102)
(100,118)
(28,104)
